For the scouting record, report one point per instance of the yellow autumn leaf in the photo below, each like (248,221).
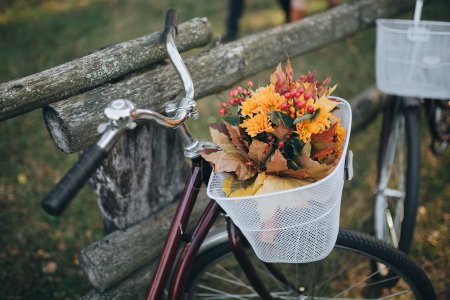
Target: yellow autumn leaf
(226,185)
(275,184)
(328,104)
(251,189)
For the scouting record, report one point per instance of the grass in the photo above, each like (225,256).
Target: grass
(38,253)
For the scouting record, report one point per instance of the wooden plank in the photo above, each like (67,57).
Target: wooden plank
(31,92)
(72,123)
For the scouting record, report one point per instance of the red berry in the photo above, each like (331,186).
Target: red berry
(310,109)
(280,144)
(231,101)
(284,106)
(250,83)
(222,111)
(239,89)
(296,103)
(301,91)
(297,94)
(307,96)
(287,95)
(301,104)
(223,105)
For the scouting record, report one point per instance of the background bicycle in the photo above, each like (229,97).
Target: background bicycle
(412,62)
(32,238)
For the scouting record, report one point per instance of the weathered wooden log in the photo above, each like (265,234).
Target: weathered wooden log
(122,252)
(144,171)
(72,122)
(28,93)
(133,287)
(365,107)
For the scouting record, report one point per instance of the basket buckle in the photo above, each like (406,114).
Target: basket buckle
(348,169)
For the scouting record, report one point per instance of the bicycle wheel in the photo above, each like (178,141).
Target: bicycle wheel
(345,274)
(398,173)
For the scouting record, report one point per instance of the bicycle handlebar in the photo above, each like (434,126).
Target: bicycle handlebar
(68,187)
(122,115)
(171,21)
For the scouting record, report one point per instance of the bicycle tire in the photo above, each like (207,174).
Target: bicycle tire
(400,129)
(216,270)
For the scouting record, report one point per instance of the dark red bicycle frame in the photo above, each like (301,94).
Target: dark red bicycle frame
(200,173)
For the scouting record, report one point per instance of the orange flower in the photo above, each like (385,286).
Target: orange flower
(321,122)
(249,107)
(268,100)
(340,136)
(257,124)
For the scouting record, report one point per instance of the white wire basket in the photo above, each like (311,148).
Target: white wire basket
(413,57)
(298,225)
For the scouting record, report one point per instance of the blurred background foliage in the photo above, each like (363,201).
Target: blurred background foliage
(38,253)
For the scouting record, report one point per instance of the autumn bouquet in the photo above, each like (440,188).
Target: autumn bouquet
(278,167)
(277,137)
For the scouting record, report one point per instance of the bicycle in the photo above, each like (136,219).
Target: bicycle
(205,268)
(410,71)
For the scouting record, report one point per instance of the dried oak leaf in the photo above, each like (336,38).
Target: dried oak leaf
(259,151)
(322,143)
(310,169)
(289,73)
(322,86)
(221,127)
(231,162)
(281,131)
(222,140)
(236,138)
(277,163)
(229,158)
(278,79)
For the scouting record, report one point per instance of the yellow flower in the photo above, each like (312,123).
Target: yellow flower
(268,100)
(257,124)
(249,107)
(320,123)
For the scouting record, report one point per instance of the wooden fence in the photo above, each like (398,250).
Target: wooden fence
(138,183)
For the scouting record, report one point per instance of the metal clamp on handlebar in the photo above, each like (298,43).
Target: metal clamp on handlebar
(120,115)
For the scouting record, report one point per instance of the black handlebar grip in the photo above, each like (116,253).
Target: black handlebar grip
(69,186)
(171,21)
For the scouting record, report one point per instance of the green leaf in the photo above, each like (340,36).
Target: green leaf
(315,114)
(303,118)
(275,116)
(297,145)
(232,120)
(292,164)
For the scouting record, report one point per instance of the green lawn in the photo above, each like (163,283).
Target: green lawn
(38,253)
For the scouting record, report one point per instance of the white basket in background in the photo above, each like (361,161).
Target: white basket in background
(413,57)
(293,226)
